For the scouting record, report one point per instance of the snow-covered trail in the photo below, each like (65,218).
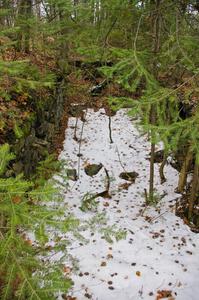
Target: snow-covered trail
(159,255)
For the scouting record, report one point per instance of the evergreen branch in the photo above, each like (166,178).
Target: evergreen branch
(8,284)
(173,91)
(23,273)
(178,42)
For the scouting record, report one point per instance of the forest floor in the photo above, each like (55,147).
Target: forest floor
(158,257)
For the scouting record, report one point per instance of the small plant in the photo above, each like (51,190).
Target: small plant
(17,131)
(152,200)
(111,232)
(89,202)
(97,221)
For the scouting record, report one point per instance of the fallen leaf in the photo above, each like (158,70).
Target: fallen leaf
(87,295)
(65,297)
(28,242)
(138,273)
(164,294)
(124,186)
(16,199)
(67,269)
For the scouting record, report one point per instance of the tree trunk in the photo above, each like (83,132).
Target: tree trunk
(155,48)
(64,15)
(151,179)
(183,173)
(194,190)
(161,169)
(25,11)
(75,4)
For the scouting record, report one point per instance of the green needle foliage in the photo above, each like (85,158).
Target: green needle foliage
(28,222)
(168,53)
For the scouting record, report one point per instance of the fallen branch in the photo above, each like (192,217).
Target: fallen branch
(118,153)
(110,131)
(80,143)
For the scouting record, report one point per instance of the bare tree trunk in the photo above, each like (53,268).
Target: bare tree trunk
(110,130)
(183,173)
(38,9)
(161,169)
(156,46)
(194,190)
(151,179)
(75,4)
(64,47)
(25,11)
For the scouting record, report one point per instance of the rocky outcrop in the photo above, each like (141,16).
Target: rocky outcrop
(38,141)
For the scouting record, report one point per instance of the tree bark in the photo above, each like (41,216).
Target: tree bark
(194,190)
(155,48)
(161,170)
(183,173)
(25,11)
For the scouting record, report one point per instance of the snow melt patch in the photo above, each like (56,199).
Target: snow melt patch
(158,255)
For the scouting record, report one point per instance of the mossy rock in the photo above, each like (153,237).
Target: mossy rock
(130,176)
(92,169)
(72,174)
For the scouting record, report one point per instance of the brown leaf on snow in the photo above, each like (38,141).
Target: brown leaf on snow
(27,240)
(138,273)
(67,270)
(164,294)
(155,235)
(65,297)
(103,264)
(87,295)
(124,186)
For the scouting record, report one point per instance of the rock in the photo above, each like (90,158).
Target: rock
(39,132)
(46,131)
(72,174)
(92,169)
(130,176)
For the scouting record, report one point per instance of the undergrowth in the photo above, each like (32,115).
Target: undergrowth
(28,232)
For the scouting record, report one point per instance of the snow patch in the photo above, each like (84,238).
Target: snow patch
(158,255)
